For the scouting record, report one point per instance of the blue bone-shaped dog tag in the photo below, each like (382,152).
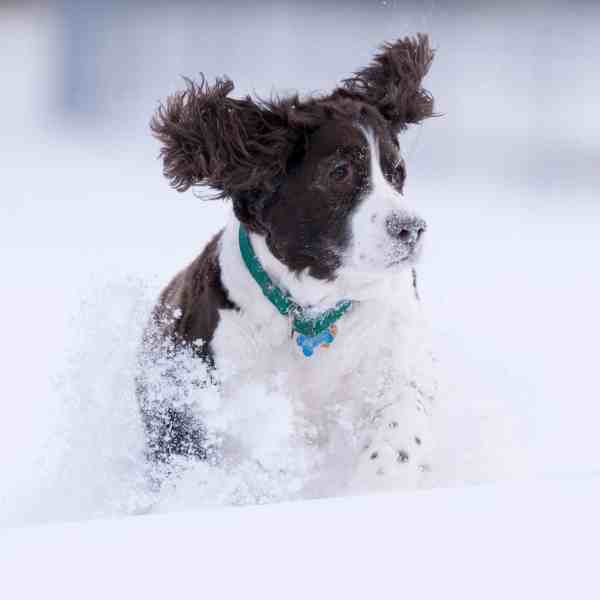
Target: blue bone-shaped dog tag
(309,343)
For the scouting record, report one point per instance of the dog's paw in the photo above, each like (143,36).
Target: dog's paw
(385,465)
(396,453)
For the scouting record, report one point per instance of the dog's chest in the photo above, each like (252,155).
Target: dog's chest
(359,398)
(354,400)
(367,358)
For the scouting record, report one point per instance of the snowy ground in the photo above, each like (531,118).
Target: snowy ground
(89,232)
(500,541)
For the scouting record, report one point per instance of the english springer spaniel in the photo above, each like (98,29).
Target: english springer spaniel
(313,278)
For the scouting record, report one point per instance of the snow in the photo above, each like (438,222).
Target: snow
(89,232)
(535,540)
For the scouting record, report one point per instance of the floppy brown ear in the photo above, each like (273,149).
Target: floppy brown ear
(392,82)
(232,145)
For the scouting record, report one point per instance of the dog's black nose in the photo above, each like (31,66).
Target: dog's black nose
(405,229)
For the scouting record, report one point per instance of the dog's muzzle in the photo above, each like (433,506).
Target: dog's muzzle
(407,230)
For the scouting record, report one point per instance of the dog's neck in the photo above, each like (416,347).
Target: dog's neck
(303,288)
(306,290)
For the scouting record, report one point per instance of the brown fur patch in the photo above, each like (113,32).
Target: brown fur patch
(244,145)
(188,308)
(392,82)
(182,325)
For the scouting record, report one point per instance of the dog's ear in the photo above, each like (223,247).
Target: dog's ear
(392,82)
(233,145)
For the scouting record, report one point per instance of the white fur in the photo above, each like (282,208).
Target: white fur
(365,397)
(372,249)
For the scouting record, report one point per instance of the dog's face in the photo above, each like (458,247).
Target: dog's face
(322,180)
(341,206)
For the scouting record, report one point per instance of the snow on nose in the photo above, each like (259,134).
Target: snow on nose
(407,229)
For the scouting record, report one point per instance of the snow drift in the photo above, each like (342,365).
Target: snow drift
(534,540)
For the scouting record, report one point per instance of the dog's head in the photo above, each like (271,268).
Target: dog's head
(321,179)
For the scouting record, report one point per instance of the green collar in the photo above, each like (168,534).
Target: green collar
(302,323)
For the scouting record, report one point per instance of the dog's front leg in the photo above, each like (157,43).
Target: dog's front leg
(398,444)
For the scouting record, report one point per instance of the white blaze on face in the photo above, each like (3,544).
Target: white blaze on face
(372,246)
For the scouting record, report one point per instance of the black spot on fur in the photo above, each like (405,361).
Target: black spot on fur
(402,456)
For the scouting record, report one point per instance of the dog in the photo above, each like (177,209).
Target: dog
(313,278)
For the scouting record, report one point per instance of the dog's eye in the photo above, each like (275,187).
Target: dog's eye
(341,172)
